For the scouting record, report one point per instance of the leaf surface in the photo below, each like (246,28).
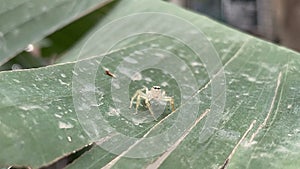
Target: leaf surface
(65,105)
(28,21)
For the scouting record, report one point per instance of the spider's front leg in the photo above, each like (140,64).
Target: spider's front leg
(138,94)
(171,100)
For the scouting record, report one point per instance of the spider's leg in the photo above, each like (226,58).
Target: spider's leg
(133,97)
(144,88)
(172,104)
(149,107)
(138,102)
(138,93)
(171,100)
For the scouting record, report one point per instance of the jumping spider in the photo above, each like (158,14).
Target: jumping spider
(154,93)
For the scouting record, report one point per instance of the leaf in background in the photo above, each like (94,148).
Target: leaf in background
(262,85)
(60,41)
(23,60)
(24,22)
(115,11)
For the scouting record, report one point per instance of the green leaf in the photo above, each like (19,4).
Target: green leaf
(49,112)
(28,21)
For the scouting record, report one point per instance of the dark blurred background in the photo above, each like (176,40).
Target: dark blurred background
(277,21)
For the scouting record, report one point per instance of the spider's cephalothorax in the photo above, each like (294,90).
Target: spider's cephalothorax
(155,93)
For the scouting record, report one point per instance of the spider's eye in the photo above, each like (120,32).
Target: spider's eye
(156,87)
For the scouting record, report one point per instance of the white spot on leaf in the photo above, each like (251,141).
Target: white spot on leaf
(30,107)
(113,112)
(29,48)
(62,82)
(169,47)
(148,79)
(159,55)
(58,115)
(164,84)
(130,60)
(63,125)
(137,121)
(138,52)
(75,73)
(63,75)
(16,80)
(136,76)
(69,138)
(196,64)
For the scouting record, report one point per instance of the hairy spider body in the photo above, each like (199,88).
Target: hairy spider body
(155,93)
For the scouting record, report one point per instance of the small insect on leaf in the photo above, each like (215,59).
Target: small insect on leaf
(107,72)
